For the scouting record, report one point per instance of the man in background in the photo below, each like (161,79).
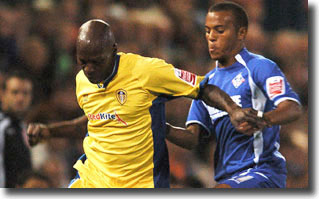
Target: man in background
(15,156)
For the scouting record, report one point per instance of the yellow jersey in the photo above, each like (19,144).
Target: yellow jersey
(125,146)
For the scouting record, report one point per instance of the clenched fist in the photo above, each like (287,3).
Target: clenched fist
(246,121)
(37,132)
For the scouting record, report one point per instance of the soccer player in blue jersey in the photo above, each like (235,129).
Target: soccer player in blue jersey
(123,96)
(250,159)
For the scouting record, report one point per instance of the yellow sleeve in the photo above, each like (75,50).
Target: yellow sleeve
(159,77)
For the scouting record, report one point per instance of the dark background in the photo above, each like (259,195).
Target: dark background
(39,37)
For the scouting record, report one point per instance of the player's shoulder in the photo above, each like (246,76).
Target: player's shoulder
(257,62)
(80,76)
(82,81)
(131,57)
(140,64)
(210,74)
(128,56)
(132,60)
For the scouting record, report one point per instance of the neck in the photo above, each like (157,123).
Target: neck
(230,60)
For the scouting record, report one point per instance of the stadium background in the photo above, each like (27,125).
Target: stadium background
(39,36)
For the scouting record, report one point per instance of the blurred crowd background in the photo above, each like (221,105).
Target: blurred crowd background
(39,36)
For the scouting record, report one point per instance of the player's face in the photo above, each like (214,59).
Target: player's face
(97,66)
(221,35)
(17,96)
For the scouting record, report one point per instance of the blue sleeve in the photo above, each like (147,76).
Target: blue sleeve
(273,82)
(198,114)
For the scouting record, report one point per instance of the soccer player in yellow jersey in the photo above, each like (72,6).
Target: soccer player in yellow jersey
(122,96)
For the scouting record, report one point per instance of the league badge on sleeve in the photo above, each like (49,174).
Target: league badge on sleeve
(121,96)
(188,77)
(275,86)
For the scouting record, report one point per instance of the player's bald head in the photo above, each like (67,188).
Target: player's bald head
(95,36)
(96,50)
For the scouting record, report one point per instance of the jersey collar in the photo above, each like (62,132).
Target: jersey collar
(242,53)
(114,72)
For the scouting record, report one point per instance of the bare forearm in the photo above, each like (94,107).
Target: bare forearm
(215,97)
(182,137)
(75,128)
(286,112)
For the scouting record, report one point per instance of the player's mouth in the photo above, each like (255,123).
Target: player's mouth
(213,51)
(212,48)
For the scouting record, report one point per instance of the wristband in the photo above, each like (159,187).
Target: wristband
(260,114)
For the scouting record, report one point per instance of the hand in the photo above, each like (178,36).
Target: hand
(37,132)
(246,121)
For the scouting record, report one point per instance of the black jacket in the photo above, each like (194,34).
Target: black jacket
(15,157)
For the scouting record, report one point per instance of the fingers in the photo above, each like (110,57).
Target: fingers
(34,134)
(246,121)
(250,116)
(31,135)
(247,129)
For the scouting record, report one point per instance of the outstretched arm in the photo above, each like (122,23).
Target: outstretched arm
(215,97)
(75,128)
(185,138)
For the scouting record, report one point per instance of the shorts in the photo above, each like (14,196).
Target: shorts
(76,182)
(254,178)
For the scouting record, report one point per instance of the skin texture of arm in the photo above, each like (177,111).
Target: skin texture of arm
(215,97)
(185,138)
(286,112)
(75,128)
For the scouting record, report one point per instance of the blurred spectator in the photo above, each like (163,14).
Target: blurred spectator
(39,35)
(256,33)
(285,14)
(14,149)
(54,168)
(291,50)
(8,45)
(33,179)
(35,55)
(65,54)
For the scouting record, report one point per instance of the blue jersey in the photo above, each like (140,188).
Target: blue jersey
(252,82)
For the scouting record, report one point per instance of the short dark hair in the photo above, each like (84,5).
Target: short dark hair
(240,15)
(20,74)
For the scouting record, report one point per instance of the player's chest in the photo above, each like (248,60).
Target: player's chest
(235,83)
(126,99)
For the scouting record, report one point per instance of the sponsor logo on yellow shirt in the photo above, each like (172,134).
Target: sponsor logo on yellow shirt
(106,116)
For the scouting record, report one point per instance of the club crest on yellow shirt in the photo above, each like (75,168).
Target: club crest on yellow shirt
(121,96)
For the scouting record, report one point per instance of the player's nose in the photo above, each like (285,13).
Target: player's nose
(211,36)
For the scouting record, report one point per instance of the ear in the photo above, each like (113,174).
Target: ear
(242,32)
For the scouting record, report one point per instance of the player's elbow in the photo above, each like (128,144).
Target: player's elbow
(297,111)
